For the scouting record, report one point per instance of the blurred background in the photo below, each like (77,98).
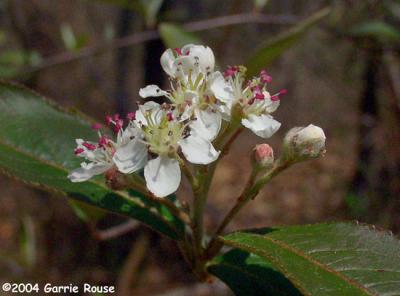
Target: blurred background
(343,74)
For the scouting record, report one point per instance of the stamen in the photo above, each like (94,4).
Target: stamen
(231,71)
(78,151)
(265,77)
(108,120)
(178,51)
(131,116)
(103,141)
(89,146)
(259,96)
(118,125)
(97,126)
(170,116)
(276,97)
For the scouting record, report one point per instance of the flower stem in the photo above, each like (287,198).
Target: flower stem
(251,190)
(204,178)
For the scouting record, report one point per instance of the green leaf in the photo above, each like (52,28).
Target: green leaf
(378,30)
(37,139)
(248,274)
(174,36)
(150,9)
(328,259)
(273,48)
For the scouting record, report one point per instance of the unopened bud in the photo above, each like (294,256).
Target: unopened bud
(263,155)
(303,143)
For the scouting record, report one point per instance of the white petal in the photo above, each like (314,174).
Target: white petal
(263,126)
(167,62)
(270,106)
(225,112)
(207,124)
(191,96)
(163,176)
(152,90)
(198,150)
(221,89)
(187,48)
(183,65)
(202,54)
(86,172)
(131,157)
(151,106)
(186,114)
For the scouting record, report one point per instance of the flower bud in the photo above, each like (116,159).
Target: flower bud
(302,143)
(263,155)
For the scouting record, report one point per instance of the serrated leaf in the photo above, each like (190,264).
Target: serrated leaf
(328,259)
(175,36)
(248,274)
(273,48)
(37,139)
(379,30)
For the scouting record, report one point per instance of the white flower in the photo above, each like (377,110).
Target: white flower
(190,59)
(128,154)
(256,103)
(189,93)
(165,135)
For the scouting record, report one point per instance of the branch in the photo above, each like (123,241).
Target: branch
(115,231)
(148,35)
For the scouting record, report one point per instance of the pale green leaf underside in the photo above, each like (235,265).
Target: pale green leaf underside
(37,140)
(328,259)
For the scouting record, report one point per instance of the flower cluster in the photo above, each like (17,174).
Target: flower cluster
(159,138)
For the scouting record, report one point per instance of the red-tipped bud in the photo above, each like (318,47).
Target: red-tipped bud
(263,155)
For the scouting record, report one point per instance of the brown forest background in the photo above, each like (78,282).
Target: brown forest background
(345,83)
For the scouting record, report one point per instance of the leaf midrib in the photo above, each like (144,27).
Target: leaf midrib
(300,254)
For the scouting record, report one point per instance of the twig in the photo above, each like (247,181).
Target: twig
(115,231)
(129,273)
(251,190)
(148,35)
